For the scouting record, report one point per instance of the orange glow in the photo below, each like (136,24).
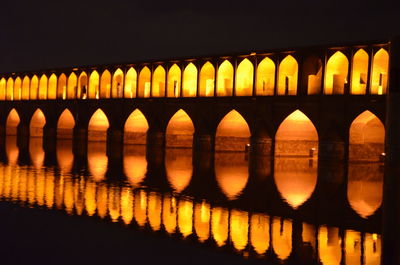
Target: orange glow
(117,84)
(62,87)
(189,85)
(282,237)
(336,74)
(105,85)
(52,89)
(180,130)
(154,211)
(265,77)
(71,88)
(380,69)
(207,80)
(179,167)
(37,123)
(232,173)
(130,83)
(42,94)
(65,125)
(98,125)
(169,213)
(94,81)
(90,197)
(185,217)
(81,91)
(140,207)
(202,220)
(239,229)
(329,245)
(244,78)
(12,122)
(10,89)
(158,89)
(359,73)
(17,89)
(225,79)
(97,160)
(372,249)
(144,83)
(174,81)
(65,157)
(36,152)
(102,200)
(135,164)
(308,235)
(127,205)
(259,232)
(12,150)
(219,225)
(49,190)
(232,133)
(353,247)
(114,199)
(136,127)
(288,74)
(312,74)
(34,89)
(3,89)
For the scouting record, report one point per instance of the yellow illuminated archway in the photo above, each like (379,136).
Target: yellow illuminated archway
(244,78)
(225,79)
(207,80)
(265,77)
(12,122)
(130,83)
(10,89)
(312,75)
(94,81)
(37,123)
(158,88)
(117,84)
(232,133)
(189,85)
(81,91)
(180,130)
(62,87)
(3,89)
(34,88)
(17,89)
(52,89)
(144,83)
(65,125)
(380,72)
(98,125)
(336,74)
(136,127)
(105,84)
(174,81)
(359,73)
(288,74)
(43,87)
(72,86)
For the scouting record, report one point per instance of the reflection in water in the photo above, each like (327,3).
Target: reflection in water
(295,179)
(12,149)
(232,173)
(36,152)
(282,237)
(202,220)
(259,232)
(65,157)
(239,229)
(97,160)
(179,167)
(329,245)
(364,188)
(135,163)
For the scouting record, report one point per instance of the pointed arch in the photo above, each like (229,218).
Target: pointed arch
(296,136)
(62,87)
(105,84)
(135,129)
(81,91)
(34,89)
(72,86)
(265,77)
(25,88)
(43,85)
(244,78)
(225,79)
(130,83)
(158,83)
(37,123)
(359,73)
(288,75)
(12,122)
(65,125)
(17,88)
(179,168)
(117,84)
(94,81)
(336,74)
(312,74)
(233,133)
(367,137)
(98,126)
(207,80)
(144,83)
(180,130)
(10,89)
(52,90)
(380,69)
(174,81)
(3,88)
(189,85)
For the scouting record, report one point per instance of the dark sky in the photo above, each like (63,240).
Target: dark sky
(47,34)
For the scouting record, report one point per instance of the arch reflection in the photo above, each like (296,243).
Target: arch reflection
(179,167)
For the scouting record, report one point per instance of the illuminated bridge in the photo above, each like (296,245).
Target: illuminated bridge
(325,100)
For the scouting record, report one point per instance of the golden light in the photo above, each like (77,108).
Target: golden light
(202,220)
(34,89)
(43,87)
(114,207)
(309,235)
(65,157)
(372,249)
(12,150)
(259,232)
(2,88)
(189,85)
(265,77)
(185,217)
(94,81)
(52,89)
(17,89)
(135,164)
(219,225)
(62,87)
(12,122)
(10,89)
(169,214)
(174,81)
(127,205)
(359,73)
(232,133)
(179,168)
(37,123)
(282,237)
(239,229)
(288,74)
(90,197)
(130,83)
(180,130)
(140,206)
(144,83)
(154,211)
(225,79)
(105,84)
(98,125)
(353,247)
(135,129)
(380,70)
(207,80)
(102,199)
(97,160)
(158,84)
(329,245)
(336,74)
(71,86)
(244,78)
(82,83)
(65,125)
(117,84)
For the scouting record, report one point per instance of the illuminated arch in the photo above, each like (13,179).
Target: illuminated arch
(43,85)
(207,80)
(189,85)
(135,129)
(52,89)
(37,123)
(265,77)
(12,122)
(380,71)
(25,88)
(117,84)
(296,136)
(62,87)
(34,89)
(225,79)
(158,84)
(312,75)
(10,89)
(239,232)
(3,89)
(179,168)
(180,130)
(288,74)
(244,78)
(105,84)
(359,73)
(65,125)
(282,237)
(144,83)
(17,89)
(94,81)
(259,232)
(232,133)
(72,86)
(174,81)
(367,137)
(130,83)
(81,91)
(98,125)
(336,74)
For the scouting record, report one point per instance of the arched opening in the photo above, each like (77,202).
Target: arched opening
(62,87)
(43,87)
(37,123)
(65,125)
(158,89)
(135,164)
(288,74)
(174,82)
(98,126)
(359,73)
(144,83)
(265,77)
(12,122)
(244,78)
(367,138)
(312,75)
(179,168)
(72,88)
(189,81)
(3,89)
(94,81)
(12,150)
(232,173)
(207,80)
(282,237)
(180,130)
(136,127)
(296,136)
(17,89)
(130,83)
(336,74)
(25,88)
(117,84)
(10,89)
(33,94)
(81,91)
(105,84)
(233,133)
(52,89)
(225,79)
(97,160)
(380,69)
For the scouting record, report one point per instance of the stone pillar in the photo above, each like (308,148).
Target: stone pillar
(332,149)
(261,146)
(115,141)
(203,142)
(49,139)
(155,139)
(23,136)
(79,143)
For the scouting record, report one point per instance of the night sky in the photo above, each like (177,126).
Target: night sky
(41,35)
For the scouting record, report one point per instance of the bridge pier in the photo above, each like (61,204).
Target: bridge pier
(261,146)
(155,140)
(80,142)
(115,142)
(49,139)
(23,135)
(203,143)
